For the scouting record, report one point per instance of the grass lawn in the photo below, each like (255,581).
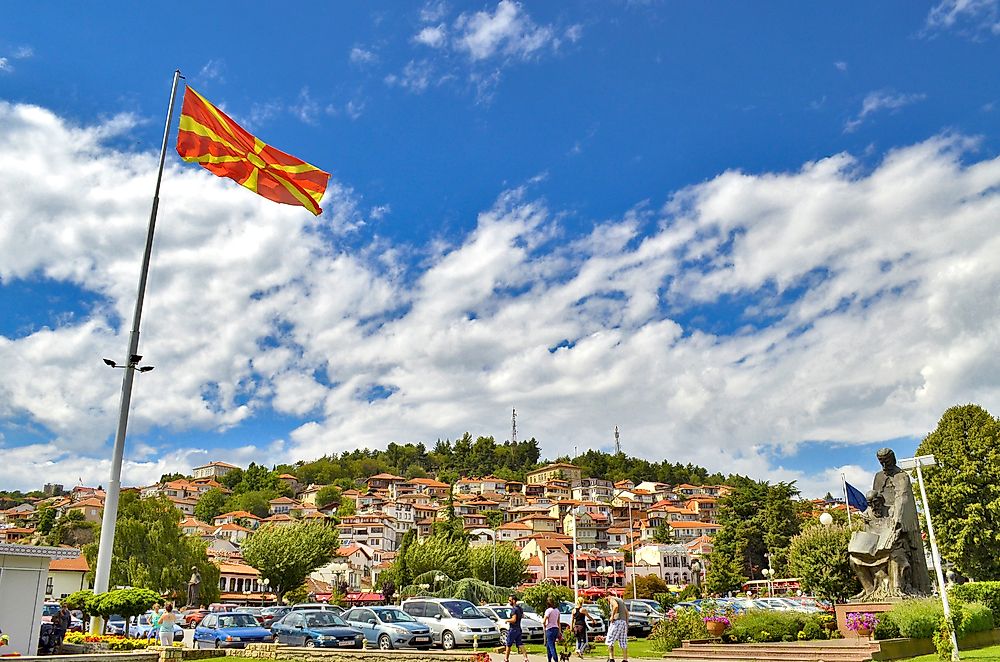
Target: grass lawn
(990,653)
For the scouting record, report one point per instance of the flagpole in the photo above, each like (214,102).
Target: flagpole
(102,574)
(847,499)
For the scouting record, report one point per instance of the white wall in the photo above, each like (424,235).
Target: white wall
(22,591)
(65,582)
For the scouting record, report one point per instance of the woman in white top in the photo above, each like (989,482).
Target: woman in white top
(167,622)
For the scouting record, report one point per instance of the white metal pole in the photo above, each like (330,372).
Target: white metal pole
(102,573)
(576,583)
(631,536)
(847,501)
(942,589)
(494,557)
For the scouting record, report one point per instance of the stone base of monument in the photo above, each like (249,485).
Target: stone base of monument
(842,610)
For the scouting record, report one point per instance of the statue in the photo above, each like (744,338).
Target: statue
(194,587)
(888,554)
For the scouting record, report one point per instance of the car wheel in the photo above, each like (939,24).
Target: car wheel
(384,642)
(447,641)
(310,643)
(218,644)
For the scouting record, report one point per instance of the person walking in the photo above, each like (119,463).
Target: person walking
(154,622)
(551,620)
(514,635)
(578,618)
(167,622)
(60,625)
(618,631)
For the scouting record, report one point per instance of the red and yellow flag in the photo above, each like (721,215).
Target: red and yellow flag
(210,137)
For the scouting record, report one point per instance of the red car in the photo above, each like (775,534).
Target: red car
(192,617)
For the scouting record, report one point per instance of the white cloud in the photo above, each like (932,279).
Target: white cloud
(877,284)
(881,100)
(23,52)
(361,55)
(433,11)
(415,77)
(840,65)
(212,70)
(434,36)
(971,16)
(5,65)
(508,31)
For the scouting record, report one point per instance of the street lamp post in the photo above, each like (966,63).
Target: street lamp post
(576,577)
(916,463)
(264,584)
(631,544)
(495,556)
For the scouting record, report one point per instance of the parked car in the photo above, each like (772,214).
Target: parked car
(192,617)
(595,624)
(115,624)
(229,630)
(272,614)
(641,618)
(389,627)
(453,622)
(319,606)
(316,629)
(217,607)
(141,627)
(772,604)
(531,628)
(50,609)
(253,611)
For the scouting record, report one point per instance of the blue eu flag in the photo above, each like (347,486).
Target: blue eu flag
(855,497)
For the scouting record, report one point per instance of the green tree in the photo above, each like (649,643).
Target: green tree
(439,553)
(724,573)
(963,490)
(151,551)
(494,518)
(757,519)
(82,600)
(329,494)
(285,555)
(232,478)
(211,504)
(646,588)
(664,534)
(818,557)
(166,478)
(538,595)
(127,602)
(256,502)
(46,520)
(509,564)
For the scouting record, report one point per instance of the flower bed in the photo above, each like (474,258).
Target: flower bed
(108,642)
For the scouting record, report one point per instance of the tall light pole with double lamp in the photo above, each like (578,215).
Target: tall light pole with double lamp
(576,511)
(915,463)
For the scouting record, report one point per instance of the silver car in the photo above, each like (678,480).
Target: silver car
(453,622)
(389,627)
(532,629)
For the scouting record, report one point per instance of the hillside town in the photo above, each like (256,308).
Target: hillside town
(620,529)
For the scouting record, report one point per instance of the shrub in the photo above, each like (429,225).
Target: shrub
(920,619)
(758,626)
(537,596)
(812,630)
(676,627)
(886,628)
(987,593)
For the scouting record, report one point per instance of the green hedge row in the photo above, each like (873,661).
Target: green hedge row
(987,593)
(920,619)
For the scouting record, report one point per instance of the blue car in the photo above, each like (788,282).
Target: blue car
(389,627)
(316,629)
(230,630)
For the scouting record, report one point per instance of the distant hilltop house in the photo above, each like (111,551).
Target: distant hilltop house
(555,471)
(212,470)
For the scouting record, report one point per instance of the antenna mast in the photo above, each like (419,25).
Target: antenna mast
(618,442)
(513,426)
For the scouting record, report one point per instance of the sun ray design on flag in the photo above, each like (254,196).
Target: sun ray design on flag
(210,138)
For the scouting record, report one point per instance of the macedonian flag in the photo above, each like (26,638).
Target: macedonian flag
(210,137)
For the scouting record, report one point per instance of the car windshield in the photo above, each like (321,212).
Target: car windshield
(50,610)
(462,609)
(394,616)
(232,620)
(323,619)
(565,608)
(502,612)
(594,610)
(528,610)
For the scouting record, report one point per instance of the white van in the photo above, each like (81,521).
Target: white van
(453,622)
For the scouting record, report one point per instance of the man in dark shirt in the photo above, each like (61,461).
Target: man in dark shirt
(60,624)
(514,636)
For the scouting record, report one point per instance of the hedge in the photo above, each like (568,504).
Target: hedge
(987,593)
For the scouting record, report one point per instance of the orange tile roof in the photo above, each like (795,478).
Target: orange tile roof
(79,564)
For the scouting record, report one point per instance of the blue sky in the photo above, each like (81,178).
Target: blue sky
(757,237)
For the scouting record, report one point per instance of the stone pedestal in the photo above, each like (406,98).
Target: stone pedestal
(857,608)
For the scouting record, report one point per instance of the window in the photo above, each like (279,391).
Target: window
(414,608)
(208,621)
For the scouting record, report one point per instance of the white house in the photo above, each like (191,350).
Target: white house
(67,576)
